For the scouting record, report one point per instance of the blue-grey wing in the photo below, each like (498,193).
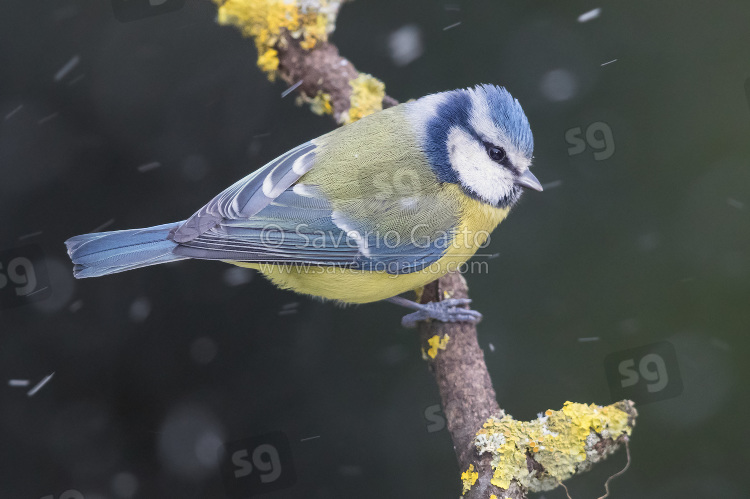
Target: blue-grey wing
(290,229)
(305,229)
(249,195)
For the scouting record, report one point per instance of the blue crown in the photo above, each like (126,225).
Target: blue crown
(508,115)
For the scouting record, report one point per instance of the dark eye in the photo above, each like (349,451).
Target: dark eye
(496,153)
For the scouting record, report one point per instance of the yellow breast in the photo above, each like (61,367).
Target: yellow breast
(477,220)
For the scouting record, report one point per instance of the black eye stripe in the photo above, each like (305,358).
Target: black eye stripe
(504,161)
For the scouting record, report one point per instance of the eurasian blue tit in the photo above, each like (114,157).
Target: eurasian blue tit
(364,213)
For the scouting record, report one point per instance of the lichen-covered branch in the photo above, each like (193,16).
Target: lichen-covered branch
(499,457)
(292,42)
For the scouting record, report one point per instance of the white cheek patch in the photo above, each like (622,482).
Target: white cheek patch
(475,169)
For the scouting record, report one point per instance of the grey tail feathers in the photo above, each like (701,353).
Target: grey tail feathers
(106,253)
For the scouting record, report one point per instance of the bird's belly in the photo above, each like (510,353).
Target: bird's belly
(361,286)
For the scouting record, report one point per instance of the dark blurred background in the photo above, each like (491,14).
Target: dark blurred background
(642,236)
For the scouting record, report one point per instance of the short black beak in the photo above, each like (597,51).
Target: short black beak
(529,181)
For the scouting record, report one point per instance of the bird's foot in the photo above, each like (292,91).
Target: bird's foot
(449,310)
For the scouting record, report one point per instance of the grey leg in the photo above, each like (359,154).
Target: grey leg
(444,311)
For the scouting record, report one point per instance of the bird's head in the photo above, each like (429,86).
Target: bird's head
(480,139)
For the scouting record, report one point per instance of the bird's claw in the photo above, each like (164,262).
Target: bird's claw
(444,311)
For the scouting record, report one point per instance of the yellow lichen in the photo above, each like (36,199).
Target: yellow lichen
(316,29)
(321,104)
(469,478)
(269,61)
(437,343)
(367,97)
(561,441)
(310,21)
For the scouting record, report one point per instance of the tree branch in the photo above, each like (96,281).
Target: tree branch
(465,387)
(536,455)
(322,71)
(499,457)
(292,43)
